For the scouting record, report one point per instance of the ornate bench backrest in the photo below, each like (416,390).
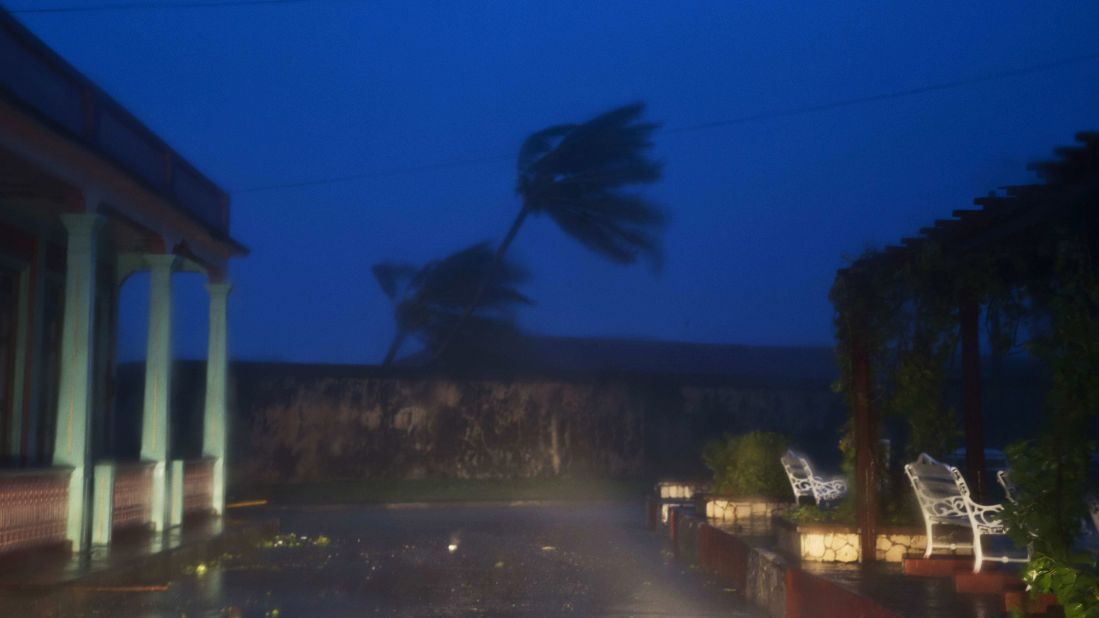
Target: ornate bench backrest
(797,470)
(937,490)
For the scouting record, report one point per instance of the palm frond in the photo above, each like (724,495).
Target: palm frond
(539,143)
(393,277)
(429,301)
(622,228)
(577,176)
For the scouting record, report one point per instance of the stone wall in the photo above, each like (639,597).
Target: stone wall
(765,584)
(293,423)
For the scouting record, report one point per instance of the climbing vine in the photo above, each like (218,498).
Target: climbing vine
(1051,472)
(1035,278)
(908,320)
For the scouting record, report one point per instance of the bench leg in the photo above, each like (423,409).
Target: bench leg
(978,552)
(930,540)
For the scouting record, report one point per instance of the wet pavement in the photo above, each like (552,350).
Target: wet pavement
(582,560)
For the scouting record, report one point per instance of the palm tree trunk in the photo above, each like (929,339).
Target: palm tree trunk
(501,250)
(394,347)
(505,244)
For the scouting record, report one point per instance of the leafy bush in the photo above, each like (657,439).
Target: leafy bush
(748,465)
(1076,587)
(841,513)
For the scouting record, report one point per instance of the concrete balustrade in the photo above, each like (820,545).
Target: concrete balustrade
(35,511)
(198,486)
(132,495)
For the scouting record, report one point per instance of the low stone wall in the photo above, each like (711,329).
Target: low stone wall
(305,423)
(763,577)
(730,510)
(765,584)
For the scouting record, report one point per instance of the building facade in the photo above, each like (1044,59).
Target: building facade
(88,197)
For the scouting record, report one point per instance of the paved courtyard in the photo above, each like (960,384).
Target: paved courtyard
(584,560)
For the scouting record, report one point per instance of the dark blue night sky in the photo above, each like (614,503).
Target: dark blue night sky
(763,212)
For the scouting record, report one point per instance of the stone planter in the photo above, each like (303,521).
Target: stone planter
(678,490)
(827,542)
(734,510)
(895,543)
(818,542)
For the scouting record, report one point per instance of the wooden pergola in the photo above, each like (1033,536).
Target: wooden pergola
(1005,221)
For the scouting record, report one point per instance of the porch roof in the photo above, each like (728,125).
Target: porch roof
(38,81)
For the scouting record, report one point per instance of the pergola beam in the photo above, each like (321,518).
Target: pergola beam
(1001,219)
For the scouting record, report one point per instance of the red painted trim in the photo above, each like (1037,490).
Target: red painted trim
(987,582)
(937,567)
(16,242)
(724,555)
(218,275)
(810,596)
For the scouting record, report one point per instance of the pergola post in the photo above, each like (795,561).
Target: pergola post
(969,316)
(866,482)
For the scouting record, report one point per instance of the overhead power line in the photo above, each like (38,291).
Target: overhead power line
(397,171)
(886,96)
(718,124)
(147,4)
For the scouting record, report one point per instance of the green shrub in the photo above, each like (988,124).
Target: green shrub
(748,465)
(1075,586)
(842,513)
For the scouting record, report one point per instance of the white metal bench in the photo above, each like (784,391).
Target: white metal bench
(805,483)
(1004,479)
(945,499)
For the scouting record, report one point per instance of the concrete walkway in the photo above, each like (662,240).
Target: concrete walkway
(583,560)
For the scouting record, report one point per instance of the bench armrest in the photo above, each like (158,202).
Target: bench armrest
(986,517)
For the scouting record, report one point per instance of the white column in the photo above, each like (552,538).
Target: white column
(155,429)
(175,482)
(103,509)
(71,446)
(214,423)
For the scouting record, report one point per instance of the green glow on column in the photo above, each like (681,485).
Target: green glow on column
(215,421)
(155,429)
(71,447)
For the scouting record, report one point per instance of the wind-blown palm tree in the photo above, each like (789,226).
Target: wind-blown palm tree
(429,301)
(578,175)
